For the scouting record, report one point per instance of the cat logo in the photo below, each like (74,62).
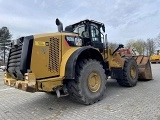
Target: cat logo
(44,50)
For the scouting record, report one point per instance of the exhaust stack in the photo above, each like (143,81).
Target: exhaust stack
(59,25)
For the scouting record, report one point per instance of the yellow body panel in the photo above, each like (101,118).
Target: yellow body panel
(65,59)
(155,57)
(49,59)
(49,84)
(115,61)
(32,85)
(43,51)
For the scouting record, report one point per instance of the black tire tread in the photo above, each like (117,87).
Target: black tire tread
(125,82)
(74,89)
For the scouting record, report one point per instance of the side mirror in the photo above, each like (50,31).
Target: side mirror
(103,28)
(59,25)
(121,46)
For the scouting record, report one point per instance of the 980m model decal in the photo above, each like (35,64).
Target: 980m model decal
(74,40)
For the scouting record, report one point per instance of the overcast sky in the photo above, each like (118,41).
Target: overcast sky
(124,19)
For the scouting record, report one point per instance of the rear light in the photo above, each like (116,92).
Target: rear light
(26,77)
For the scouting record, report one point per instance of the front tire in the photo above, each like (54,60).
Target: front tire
(90,82)
(130,73)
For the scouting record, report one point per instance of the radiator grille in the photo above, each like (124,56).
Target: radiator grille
(54,56)
(13,65)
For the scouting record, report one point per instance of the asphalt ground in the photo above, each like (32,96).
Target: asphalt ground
(141,102)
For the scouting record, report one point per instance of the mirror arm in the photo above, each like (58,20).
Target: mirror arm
(119,47)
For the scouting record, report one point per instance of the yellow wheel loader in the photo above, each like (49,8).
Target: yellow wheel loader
(75,62)
(155,58)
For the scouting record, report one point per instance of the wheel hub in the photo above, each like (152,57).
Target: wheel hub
(133,72)
(94,81)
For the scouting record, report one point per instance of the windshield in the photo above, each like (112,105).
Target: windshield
(79,29)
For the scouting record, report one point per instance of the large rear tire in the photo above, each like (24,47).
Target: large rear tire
(90,82)
(130,73)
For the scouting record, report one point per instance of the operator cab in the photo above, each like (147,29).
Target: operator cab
(90,31)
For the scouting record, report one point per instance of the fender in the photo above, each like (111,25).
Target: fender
(71,63)
(65,58)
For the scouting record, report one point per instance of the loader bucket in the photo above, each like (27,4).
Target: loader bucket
(144,67)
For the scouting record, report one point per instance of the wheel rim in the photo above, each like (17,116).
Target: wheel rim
(133,72)
(94,81)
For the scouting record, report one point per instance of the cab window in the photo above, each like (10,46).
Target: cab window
(95,33)
(79,29)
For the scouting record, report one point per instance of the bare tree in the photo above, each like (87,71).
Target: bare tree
(130,43)
(113,45)
(158,40)
(150,46)
(138,45)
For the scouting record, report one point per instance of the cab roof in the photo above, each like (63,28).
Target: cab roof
(88,21)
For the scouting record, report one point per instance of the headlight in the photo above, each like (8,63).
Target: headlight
(26,78)
(5,75)
(78,41)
